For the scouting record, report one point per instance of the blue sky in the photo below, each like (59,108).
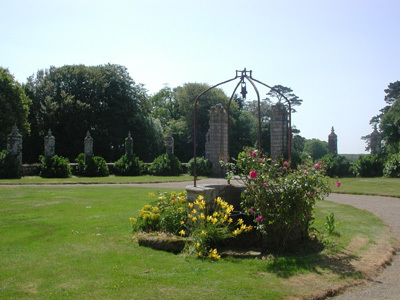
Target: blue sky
(338,56)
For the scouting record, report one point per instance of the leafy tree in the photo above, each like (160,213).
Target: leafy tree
(164,106)
(14,107)
(390,128)
(370,165)
(315,148)
(278,90)
(103,99)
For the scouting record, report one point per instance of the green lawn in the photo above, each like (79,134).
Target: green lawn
(96,180)
(368,186)
(75,242)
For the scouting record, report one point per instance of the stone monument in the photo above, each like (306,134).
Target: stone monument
(169,144)
(332,142)
(279,131)
(49,144)
(129,146)
(88,142)
(14,143)
(217,139)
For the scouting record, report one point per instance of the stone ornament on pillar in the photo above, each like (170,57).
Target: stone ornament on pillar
(279,131)
(169,144)
(14,143)
(129,146)
(88,142)
(49,144)
(376,142)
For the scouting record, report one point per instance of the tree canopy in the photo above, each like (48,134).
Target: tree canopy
(14,107)
(104,100)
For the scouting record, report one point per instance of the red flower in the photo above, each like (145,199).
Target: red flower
(316,166)
(253,174)
(264,184)
(259,218)
(253,154)
(338,184)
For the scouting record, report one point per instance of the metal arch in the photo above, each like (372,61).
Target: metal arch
(250,79)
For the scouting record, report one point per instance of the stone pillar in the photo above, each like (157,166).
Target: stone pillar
(88,142)
(279,131)
(14,143)
(169,144)
(376,142)
(332,142)
(217,139)
(129,146)
(49,144)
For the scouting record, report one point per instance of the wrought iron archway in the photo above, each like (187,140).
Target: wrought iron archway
(242,75)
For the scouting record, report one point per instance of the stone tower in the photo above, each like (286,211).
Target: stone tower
(376,142)
(129,146)
(279,131)
(169,144)
(217,139)
(332,142)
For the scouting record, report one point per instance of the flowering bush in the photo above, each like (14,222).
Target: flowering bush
(167,214)
(281,199)
(207,231)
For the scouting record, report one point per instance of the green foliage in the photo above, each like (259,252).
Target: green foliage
(91,166)
(55,167)
(336,165)
(128,167)
(167,214)
(315,148)
(103,99)
(14,107)
(370,165)
(166,165)
(9,165)
(390,127)
(203,166)
(392,166)
(330,224)
(281,199)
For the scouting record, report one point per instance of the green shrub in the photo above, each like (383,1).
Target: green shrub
(128,167)
(336,165)
(370,165)
(203,167)
(91,166)
(166,165)
(55,167)
(9,165)
(392,166)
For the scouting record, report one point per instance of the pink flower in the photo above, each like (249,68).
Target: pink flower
(251,211)
(338,184)
(253,154)
(285,163)
(259,218)
(308,215)
(259,160)
(264,184)
(316,166)
(320,162)
(284,168)
(253,174)
(304,171)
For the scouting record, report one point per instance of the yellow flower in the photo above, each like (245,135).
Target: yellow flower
(203,233)
(202,216)
(249,228)
(240,221)
(194,219)
(190,204)
(200,197)
(215,214)
(189,216)
(151,195)
(182,222)
(199,254)
(230,220)
(215,220)
(198,245)
(194,211)
(236,232)
(243,227)
(182,232)
(133,220)
(209,218)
